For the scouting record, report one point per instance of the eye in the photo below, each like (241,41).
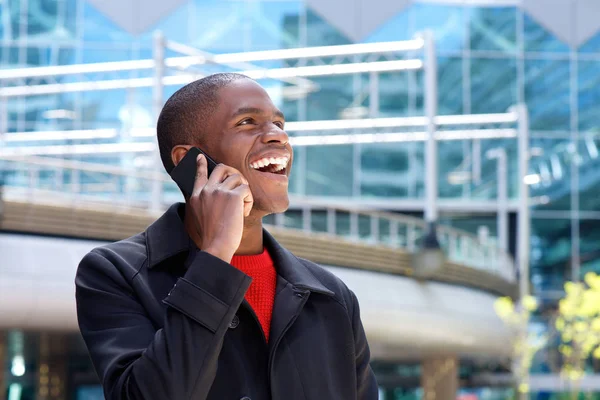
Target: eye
(246,121)
(279,124)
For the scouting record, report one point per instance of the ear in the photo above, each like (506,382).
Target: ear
(178,152)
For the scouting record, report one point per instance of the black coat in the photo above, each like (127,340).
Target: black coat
(164,320)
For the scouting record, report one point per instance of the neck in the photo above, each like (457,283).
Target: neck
(252,237)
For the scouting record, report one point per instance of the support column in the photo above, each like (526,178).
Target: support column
(439,378)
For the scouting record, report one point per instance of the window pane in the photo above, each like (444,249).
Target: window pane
(51,19)
(335,94)
(538,39)
(446,22)
(589,95)
(554,168)
(589,165)
(547,94)
(389,170)
(493,28)
(493,85)
(394,93)
(321,33)
(589,248)
(98,28)
(450,90)
(329,170)
(550,253)
(592,45)
(274,24)
(397,28)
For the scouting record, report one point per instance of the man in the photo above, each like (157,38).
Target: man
(205,304)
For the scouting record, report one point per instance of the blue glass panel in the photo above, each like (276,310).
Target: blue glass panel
(335,94)
(98,28)
(329,170)
(493,85)
(389,170)
(11,14)
(446,22)
(396,28)
(219,26)
(550,253)
(102,108)
(547,94)
(592,45)
(11,56)
(274,24)
(96,54)
(321,33)
(493,28)
(50,20)
(589,165)
(554,167)
(450,85)
(538,39)
(394,94)
(176,26)
(589,247)
(589,95)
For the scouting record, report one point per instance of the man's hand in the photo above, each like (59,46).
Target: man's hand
(219,204)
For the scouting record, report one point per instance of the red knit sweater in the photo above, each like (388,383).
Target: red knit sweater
(261,293)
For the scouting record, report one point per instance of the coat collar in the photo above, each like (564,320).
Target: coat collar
(167,237)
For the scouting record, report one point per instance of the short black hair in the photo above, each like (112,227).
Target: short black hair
(183,111)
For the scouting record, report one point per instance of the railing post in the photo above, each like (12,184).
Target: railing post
(375,228)
(394,233)
(306,219)
(411,237)
(280,220)
(33,179)
(354,234)
(331,223)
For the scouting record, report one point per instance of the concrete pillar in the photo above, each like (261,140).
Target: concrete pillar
(439,378)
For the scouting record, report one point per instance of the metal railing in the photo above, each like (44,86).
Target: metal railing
(53,180)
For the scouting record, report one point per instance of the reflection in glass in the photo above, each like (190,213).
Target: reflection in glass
(493,28)
(588,84)
(446,22)
(589,165)
(493,85)
(330,170)
(547,94)
(550,253)
(539,39)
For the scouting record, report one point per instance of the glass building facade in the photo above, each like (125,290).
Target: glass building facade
(489,58)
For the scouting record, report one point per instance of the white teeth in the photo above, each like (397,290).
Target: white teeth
(281,162)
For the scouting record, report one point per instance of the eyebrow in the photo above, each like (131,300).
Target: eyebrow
(254,110)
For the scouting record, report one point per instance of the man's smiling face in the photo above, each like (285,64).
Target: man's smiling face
(247,133)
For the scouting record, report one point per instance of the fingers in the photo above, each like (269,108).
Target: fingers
(221,173)
(233,181)
(243,191)
(201,173)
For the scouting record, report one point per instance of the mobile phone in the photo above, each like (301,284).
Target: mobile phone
(184,173)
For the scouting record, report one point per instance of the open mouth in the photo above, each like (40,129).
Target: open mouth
(272,165)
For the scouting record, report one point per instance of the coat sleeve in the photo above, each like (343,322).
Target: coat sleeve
(367,388)
(133,359)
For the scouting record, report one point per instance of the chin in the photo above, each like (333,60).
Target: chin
(272,206)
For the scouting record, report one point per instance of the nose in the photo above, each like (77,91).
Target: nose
(276,135)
